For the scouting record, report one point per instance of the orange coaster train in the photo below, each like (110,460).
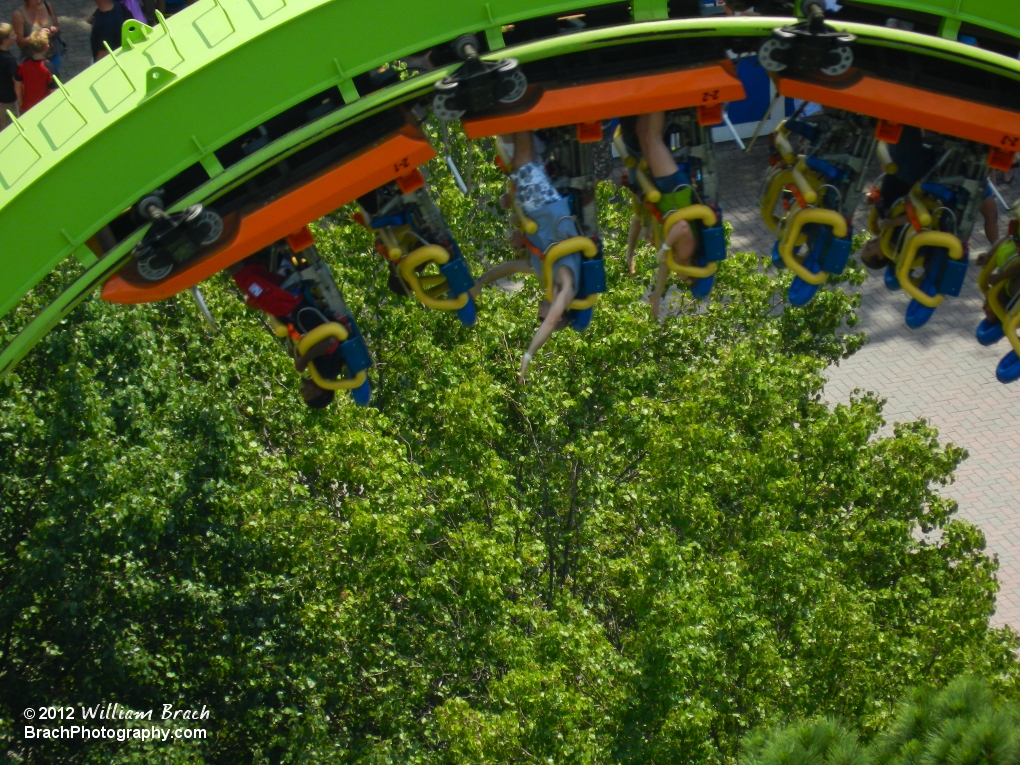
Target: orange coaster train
(393,158)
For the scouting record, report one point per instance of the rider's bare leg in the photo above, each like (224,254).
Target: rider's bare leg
(501,271)
(564,291)
(680,238)
(524,148)
(632,239)
(990,212)
(656,153)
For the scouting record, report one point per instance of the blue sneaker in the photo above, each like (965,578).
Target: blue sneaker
(581,319)
(989,333)
(801,292)
(702,288)
(918,313)
(1009,368)
(777,259)
(892,281)
(468,315)
(363,393)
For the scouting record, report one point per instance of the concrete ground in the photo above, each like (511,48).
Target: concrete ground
(939,373)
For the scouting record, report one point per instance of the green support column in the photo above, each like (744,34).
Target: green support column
(950,28)
(650,10)
(494,37)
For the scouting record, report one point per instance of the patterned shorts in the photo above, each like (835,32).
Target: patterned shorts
(532,187)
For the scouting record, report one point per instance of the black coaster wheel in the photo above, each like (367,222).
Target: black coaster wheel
(477,85)
(513,83)
(173,238)
(811,46)
(153,267)
(212,224)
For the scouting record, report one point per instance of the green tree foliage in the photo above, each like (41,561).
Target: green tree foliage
(960,725)
(664,541)
(815,742)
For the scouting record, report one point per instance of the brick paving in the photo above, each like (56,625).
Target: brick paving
(939,373)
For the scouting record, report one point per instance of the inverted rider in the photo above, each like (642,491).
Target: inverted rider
(537,198)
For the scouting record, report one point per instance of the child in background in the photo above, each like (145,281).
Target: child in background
(8,69)
(34,79)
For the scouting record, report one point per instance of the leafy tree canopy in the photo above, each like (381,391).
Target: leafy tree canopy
(664,541)
(961,725)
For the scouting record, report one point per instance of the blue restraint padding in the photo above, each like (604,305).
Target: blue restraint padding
(458,275)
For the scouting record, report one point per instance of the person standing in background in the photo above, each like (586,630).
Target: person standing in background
(173,6)
(8,71)
(34,79)
(36,15)
(107,21)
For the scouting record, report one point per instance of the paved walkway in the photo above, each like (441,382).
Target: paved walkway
(938,373)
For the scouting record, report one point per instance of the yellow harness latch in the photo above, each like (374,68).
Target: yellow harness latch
(1001,253)
(802,179)
(914,242)
(708,219)
(792,238)
(920,208)
(778,179)
(431,253)
(885,157)
(581,244)
(339,333)
(885,242)
(651,193)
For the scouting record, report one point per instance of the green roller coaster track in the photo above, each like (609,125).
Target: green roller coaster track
(174,94)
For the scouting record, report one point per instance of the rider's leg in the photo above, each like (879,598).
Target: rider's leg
(681,239)
(649,130)
(564,291)
(501,271)
(632,239)
(633,234)
(661,276)
(662,165)
(524,148)
(990,212)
